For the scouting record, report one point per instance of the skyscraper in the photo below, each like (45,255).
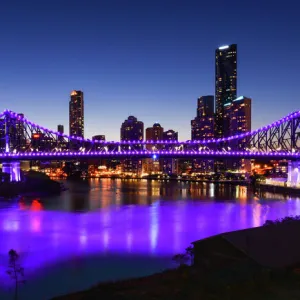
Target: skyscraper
(226,83)
(238,120)
(170,165)
(154,133)
(202,127)
(238,114)
(76,114)
(132,130)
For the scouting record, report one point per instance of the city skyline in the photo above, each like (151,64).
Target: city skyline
(129,65)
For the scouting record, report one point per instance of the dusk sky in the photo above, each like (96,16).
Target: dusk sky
(150,59)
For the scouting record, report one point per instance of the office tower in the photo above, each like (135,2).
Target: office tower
(60,129)
(238,119)
(132,130)
(203,124)
(20,132)
(226,83)
(202,128)
(154,133)
(76,114)
(170,165)
(238,114)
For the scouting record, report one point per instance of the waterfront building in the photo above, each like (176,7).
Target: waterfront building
(237,116)
(202,127)
(225,83)
(154,133)
(132,130)
(76,114)
(170,165)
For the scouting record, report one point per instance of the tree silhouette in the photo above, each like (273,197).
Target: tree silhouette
(15,271)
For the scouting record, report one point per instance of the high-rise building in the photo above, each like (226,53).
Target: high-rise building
(76,114)
(99,146)
(238,114)
(203,124)
(170,165)
(205,106)
(132,130)
(238,120)
(20,132)
(202,127)
(60,129)
(154,133)
(226,83)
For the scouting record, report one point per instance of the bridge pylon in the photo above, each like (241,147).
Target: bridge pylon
(294,173)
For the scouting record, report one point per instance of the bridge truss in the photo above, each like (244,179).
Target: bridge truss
(19,135)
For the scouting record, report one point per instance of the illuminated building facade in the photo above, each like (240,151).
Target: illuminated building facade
(202,127)
(132,130)
(20,132)
(154,133)
(203,124)
(238,120)
(170,165)
(76,114)
(41,142)
(226,83)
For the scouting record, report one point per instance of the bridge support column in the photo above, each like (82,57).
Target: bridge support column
(294,174)
(13,169)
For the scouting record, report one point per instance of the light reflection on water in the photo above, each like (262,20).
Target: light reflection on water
(151,220)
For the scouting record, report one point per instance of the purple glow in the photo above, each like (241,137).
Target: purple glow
(159,229)
(246,154)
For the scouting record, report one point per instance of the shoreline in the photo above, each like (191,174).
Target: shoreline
(219,270)
(279,189)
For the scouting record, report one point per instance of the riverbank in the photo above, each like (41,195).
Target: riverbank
(285,190)
(188,283)
(233,265)
(35,184)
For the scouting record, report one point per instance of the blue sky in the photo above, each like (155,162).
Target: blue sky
(150,59)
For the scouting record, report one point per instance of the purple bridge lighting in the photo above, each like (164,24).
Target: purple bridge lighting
(26,140)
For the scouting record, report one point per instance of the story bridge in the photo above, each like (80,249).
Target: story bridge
(22,139)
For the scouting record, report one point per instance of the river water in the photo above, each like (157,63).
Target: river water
(106,229)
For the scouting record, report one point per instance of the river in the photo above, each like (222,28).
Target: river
(106,229)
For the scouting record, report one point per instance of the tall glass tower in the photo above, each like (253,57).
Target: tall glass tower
(226,83)
(76,114)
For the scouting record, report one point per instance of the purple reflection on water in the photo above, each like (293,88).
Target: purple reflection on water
(151,221)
